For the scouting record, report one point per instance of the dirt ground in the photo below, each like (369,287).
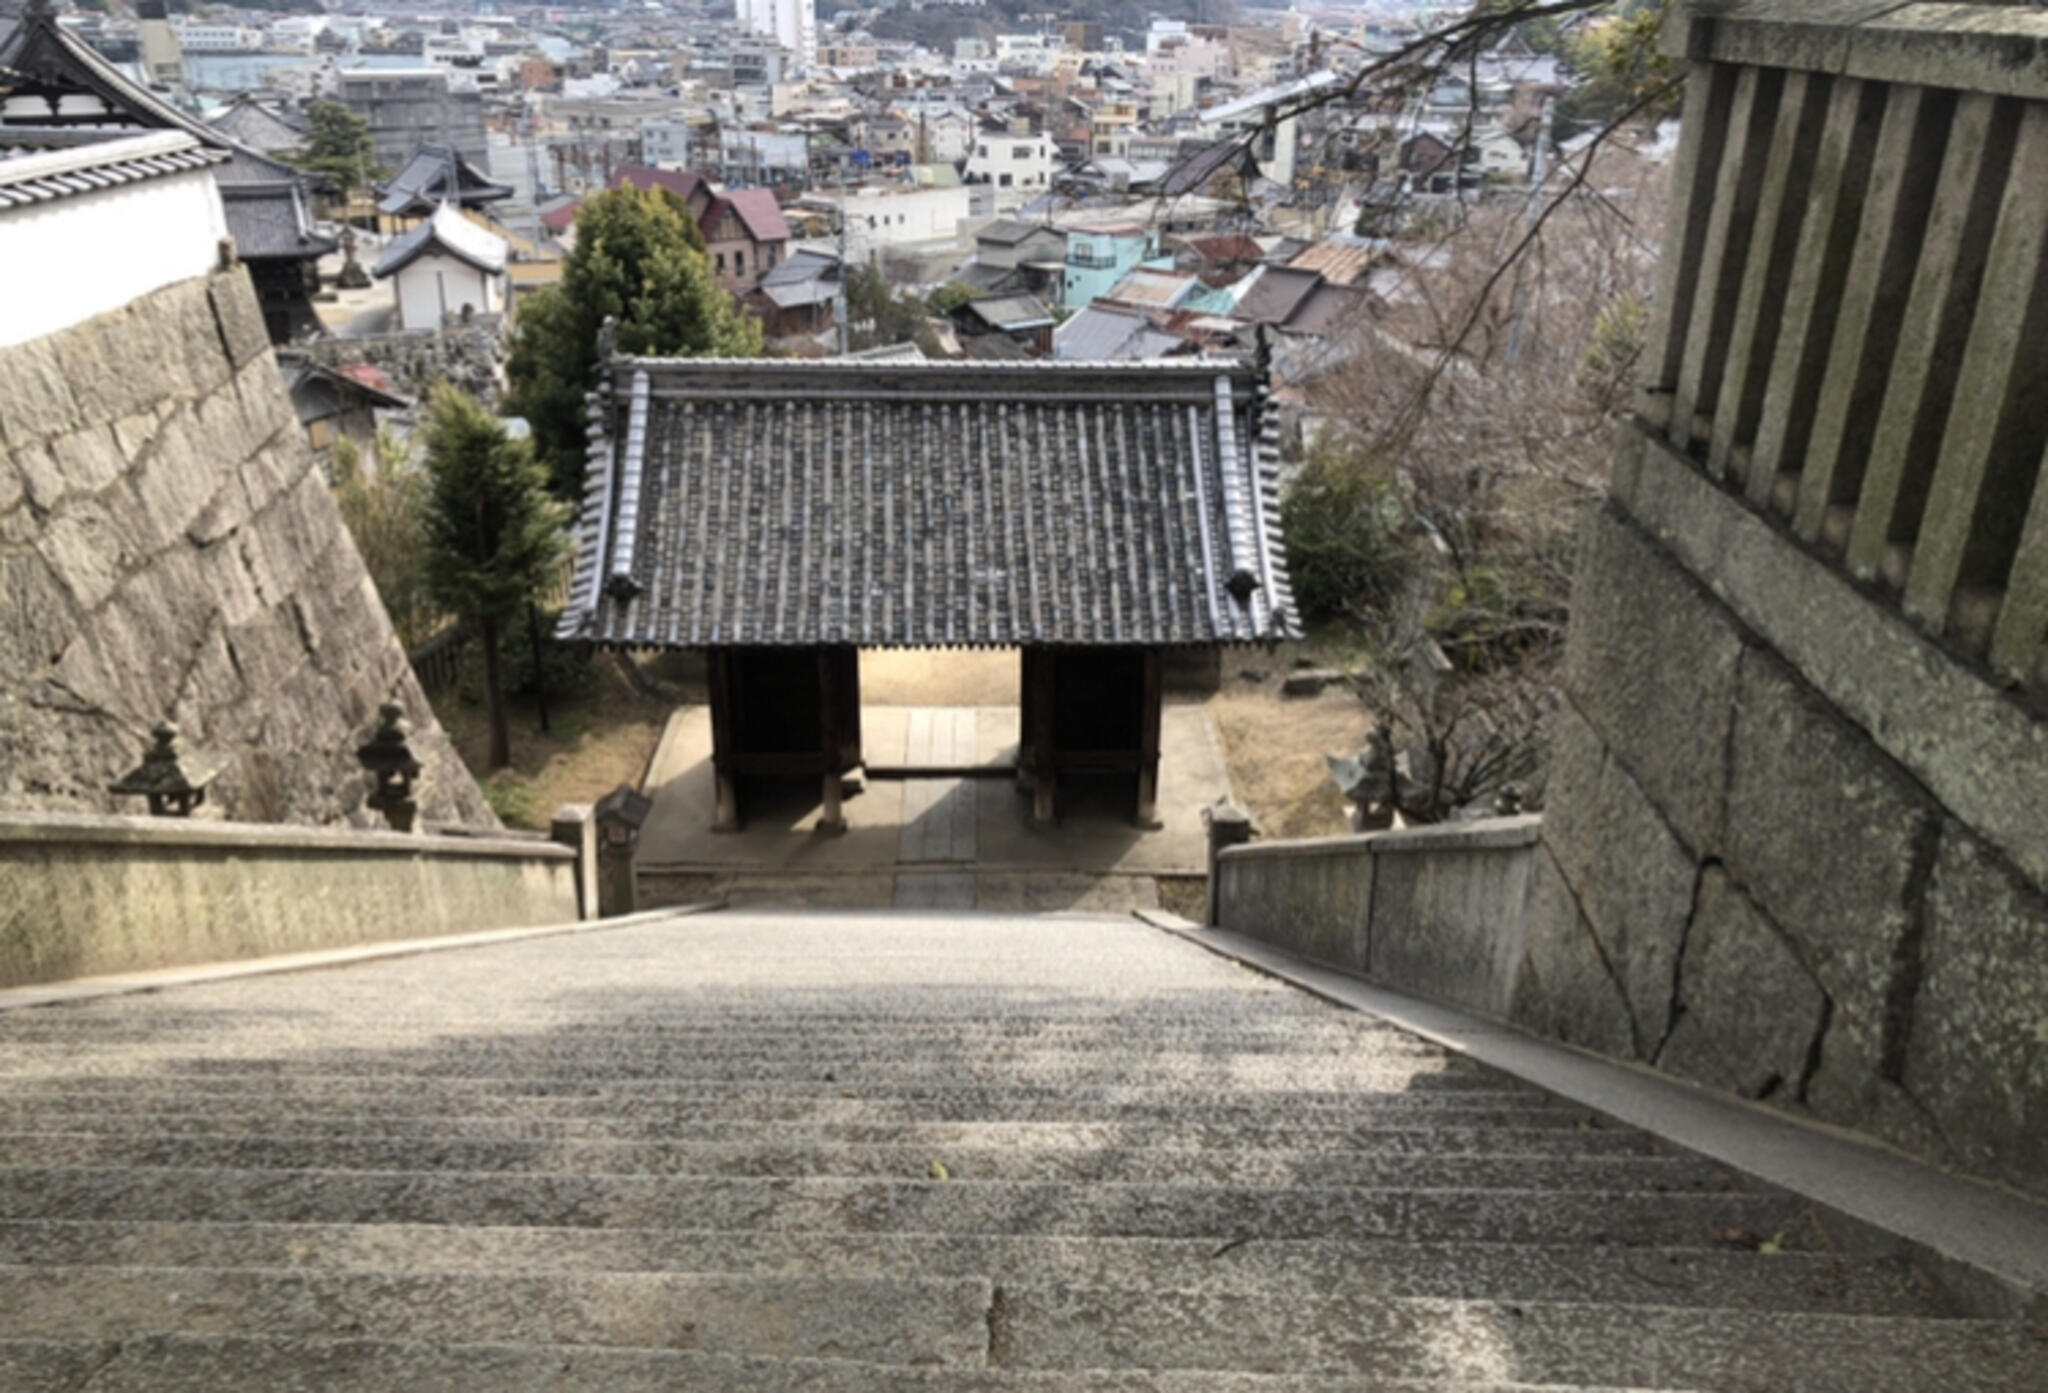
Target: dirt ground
(599,738)
(1275,745)
(939,677)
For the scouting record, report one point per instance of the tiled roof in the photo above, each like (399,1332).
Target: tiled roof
(269,221)
(778,502)
(434,174)
(258,126)
(39,166)
(446,231)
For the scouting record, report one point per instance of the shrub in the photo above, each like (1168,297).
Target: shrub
(1347,546)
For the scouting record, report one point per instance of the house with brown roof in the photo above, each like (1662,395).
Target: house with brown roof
(745,233)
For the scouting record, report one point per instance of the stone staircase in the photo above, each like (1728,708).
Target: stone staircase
(879,1152)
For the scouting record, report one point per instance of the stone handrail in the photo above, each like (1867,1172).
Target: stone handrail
(88,894)
(1852,324)
(1434,910)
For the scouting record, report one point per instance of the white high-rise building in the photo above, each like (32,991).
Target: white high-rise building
(791,23)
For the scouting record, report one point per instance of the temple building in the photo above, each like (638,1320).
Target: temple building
(51,81)
(438,174)
(779,516)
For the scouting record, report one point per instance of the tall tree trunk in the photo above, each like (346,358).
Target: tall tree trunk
(494,687)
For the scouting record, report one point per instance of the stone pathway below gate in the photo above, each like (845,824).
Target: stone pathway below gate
(933,843)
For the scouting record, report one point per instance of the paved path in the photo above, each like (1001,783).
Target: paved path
(919,822)
(880,1152)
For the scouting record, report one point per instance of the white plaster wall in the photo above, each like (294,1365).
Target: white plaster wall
(65,261)
(421,287)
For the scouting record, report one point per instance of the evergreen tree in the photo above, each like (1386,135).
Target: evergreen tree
(640,259)
(492,534)
(338,146)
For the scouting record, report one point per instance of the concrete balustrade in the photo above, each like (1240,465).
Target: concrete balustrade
(1434,910)
(83,895)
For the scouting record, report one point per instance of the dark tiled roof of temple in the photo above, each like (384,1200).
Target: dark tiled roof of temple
(924,504)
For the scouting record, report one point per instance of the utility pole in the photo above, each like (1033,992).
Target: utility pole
(839,296)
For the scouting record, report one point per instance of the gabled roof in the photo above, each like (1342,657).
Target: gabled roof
(258,126)
(681,182)
(757,211)
(1272,294)
(1011,232)
(436,174)
(272,222)
(779,502)
(448,232)
(1011,313)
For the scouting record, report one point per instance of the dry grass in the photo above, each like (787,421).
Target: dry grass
(1275,745)
(600,738)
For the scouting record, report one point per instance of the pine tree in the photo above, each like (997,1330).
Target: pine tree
(338,146)
(492,533)
(640,259)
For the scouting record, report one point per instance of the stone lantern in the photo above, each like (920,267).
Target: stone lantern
(173,780)
(620,815)
(393,768)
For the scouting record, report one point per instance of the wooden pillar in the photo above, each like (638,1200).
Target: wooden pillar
(1027,688)
(831,817)
(721,679)
(848,659)
(1148,743)
(1044,751)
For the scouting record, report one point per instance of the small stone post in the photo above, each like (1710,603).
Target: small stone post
(574,825)
(619,816)
(1227,825)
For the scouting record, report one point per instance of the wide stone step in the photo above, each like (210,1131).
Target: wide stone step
(913,1063)
(1541,1342)
(198,1364)
(1216,1167)
(969,1323)
(1299,1270)
(873,1206)
(940,1321)
(595,1078)
(31,1110)
(1397,1136)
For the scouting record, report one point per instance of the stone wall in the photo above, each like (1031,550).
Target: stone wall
(90,895)
(1793,848)
(1435,910)
(169,550)
(467,353)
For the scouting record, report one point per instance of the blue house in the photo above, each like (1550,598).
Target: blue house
(1099,257)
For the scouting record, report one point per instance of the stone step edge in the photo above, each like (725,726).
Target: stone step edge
(1985,1244)
(1516,1307)
(196,974)
(554,1358)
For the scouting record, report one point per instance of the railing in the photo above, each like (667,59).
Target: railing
(1853,323)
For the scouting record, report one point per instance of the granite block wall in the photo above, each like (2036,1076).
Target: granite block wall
(169,550)
(1774,858)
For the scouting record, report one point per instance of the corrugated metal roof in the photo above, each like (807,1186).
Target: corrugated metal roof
(778,502)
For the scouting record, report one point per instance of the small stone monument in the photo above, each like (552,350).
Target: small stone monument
(393,768)
(1371,781)
(620,815)
(173,780)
